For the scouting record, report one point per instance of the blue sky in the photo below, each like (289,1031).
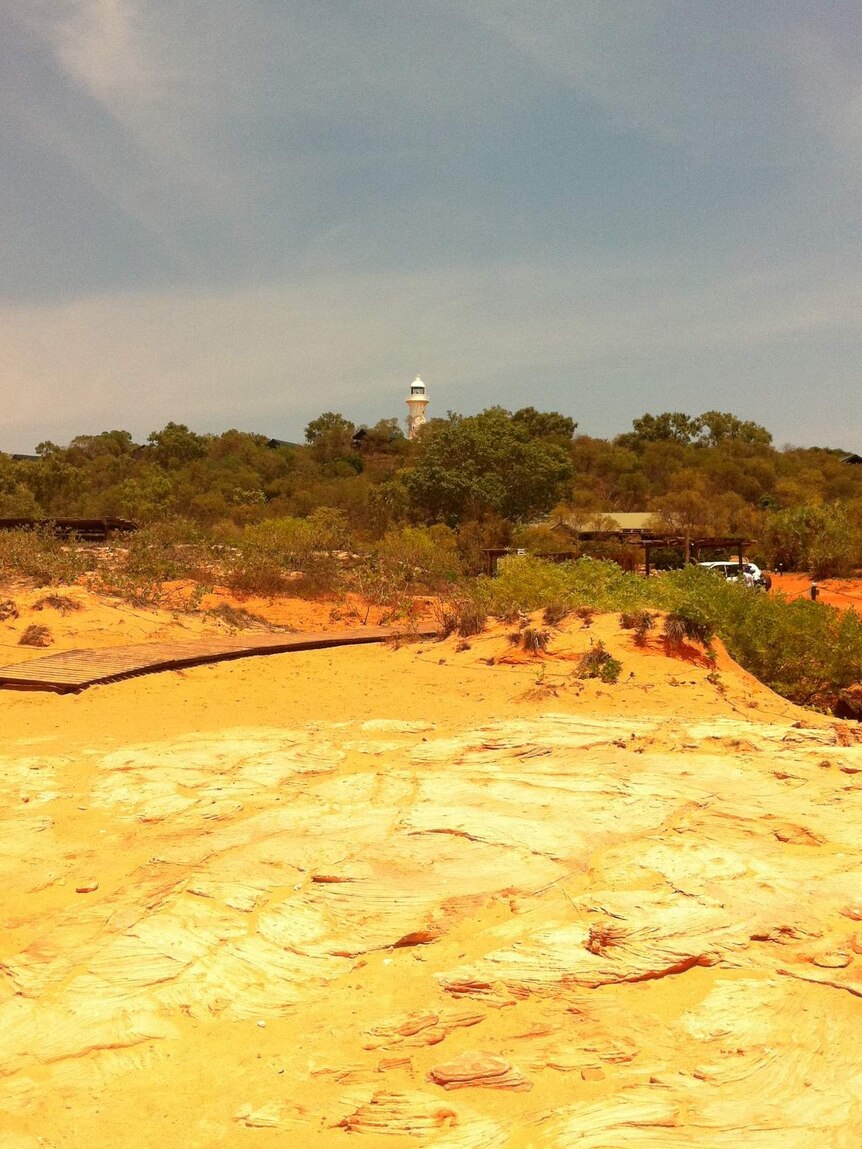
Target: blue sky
(245,212)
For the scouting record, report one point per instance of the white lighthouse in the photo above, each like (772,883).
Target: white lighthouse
(416,404)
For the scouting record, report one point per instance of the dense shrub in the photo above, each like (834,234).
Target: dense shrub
(461,614)
(420,558)
(39,555)
(304,554)
(597,662)
(804,651)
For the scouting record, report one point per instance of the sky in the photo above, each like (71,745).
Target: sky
(242,213)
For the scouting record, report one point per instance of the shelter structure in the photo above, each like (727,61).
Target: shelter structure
(636,529)
(88,530)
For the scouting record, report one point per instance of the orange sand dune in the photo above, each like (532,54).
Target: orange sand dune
(426,896)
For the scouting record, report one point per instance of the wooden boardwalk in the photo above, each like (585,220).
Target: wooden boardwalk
(70,671)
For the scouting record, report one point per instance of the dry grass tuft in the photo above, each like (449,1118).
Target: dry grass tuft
(237,618)
(60,602)
(8,610)
(36,635)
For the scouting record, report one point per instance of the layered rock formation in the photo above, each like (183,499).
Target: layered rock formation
(549,931)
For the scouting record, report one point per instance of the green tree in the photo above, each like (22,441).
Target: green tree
(484,464)
(546,424)
(819,539)
(719,426)
(330,437)
(176,445)
(671,425)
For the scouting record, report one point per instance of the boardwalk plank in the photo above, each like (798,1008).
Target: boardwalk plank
(74,670)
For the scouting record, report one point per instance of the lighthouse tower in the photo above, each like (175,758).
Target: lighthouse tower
(416,404)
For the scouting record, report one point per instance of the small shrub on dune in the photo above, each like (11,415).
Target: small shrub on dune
(58,602)
(8,609)
(599,663)
(640,621)
(462,614)
(687,622)
(555,612)
(533,640)
(586,614)
(35,635)
(471,618)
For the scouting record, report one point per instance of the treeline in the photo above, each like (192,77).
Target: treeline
(526,478)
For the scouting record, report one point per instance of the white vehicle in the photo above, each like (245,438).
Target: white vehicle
(732,573)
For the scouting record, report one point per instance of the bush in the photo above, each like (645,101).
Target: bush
(530,639)
(40,556)
(640,621)
(525,583)
(59,602)
(135,569)
(555,612)
(304,554)
(805,651)
(418,559)
(599,663)
(35,636)
(688,622)
(462,614)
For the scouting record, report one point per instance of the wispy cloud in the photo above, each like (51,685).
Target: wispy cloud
(616,204)
(602,343)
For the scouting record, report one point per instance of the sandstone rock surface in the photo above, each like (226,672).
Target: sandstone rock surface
(547,926)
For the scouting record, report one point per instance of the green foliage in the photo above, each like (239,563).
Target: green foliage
(40,556)
(546,424)
(707,430)
(420,558)
(688,621)
(303,554)
(597,662)
(819,539)
(137,567)
(527,583)
(487,463)
(175,445)
(487,474)
(804,651)
(330,437)
(461,613)
(640,621)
